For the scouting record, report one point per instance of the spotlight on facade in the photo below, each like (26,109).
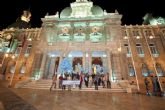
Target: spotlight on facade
(70,55)
(6,55)
(119,49)
(52,55)
(13,57)
(137,37)
(29,39)
(104,55)
(86,54)
(125,37)
(151,37)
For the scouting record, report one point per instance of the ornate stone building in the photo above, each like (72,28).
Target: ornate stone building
(88,37)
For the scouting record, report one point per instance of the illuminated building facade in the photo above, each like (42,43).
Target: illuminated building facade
(88,37)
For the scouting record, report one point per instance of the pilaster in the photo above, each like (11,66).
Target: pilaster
(43,65)
(109,65)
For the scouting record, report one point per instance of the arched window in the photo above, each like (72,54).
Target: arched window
(160,71)
(145,70)
(131,70)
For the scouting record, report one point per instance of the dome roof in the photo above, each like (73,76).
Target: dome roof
(65,12)
(97,10)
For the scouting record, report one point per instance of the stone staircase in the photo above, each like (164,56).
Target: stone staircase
(45,84)
(130,88)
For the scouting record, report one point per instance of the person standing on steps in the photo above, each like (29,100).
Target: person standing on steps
(54,79)
(108,81)
(81,80)
(96,79)
(60,81)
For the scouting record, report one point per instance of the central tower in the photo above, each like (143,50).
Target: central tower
(81,8)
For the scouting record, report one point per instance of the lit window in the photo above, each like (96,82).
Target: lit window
(125,35)
(153,50)
(128,50)
(163,33)
(23,69)
(149,34)
(159,69)
(140,50)
(28,50)
(145,70)
(136,33)
(131,70)
(18,50)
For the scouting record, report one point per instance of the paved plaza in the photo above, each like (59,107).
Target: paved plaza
(28,99)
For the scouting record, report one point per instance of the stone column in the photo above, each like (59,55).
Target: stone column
(42,68)
(58,72)
(89,60)
(109,67)
(84,60)
(52,67)
(61,57)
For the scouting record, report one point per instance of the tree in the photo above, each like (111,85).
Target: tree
(65,66)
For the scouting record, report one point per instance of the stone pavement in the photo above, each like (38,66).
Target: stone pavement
(27,99)
(11,101)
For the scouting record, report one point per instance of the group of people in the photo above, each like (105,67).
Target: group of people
(86,79)
(97,80)
(155,84)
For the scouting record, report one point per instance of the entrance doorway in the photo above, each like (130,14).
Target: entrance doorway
(97,61)
(77,64)
(97,65)
(52,65)
(57,60)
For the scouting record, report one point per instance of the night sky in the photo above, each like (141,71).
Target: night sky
(132,10)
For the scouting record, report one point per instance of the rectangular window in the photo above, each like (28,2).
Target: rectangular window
(163,33)
(140,50)
(153,50)
(136,33)
(131,70)
(125,33)
(148,33)
(18,50)
(128,50)
(159,70)
(28,50)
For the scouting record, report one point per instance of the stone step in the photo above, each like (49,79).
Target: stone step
(45,84)
(77,89)
(38,85)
